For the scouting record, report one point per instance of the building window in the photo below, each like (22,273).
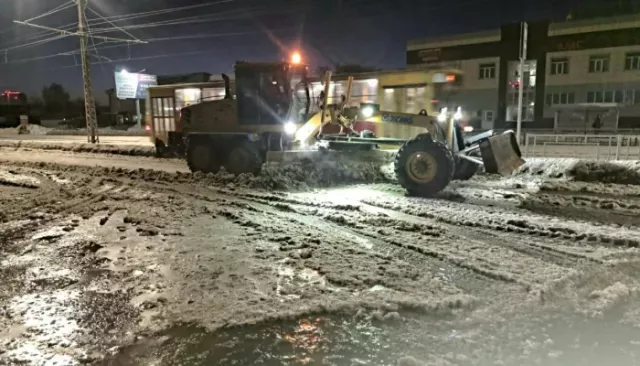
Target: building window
(488,116)
(163,117)
(559,66)
(213,93)
(599,63)
(487,71)
(389,100)
(560,98)
(186,97)
(632,61)
(629,97)
(610,96)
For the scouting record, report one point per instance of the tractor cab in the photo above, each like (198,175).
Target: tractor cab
(271,93)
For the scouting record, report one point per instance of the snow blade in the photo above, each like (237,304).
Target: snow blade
(501,154)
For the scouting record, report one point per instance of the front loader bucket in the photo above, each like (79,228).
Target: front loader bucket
(501,154)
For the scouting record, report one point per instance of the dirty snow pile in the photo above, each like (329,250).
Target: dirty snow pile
(131,150)
(12,178)
(28,129)
(37,130)
(301,176)
(105,131)
(615,172)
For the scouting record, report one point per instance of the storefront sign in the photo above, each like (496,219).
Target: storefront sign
(430,55)
(396,119)
(133,85)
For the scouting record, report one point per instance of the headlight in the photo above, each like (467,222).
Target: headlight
(443,115)
(290,128)
(458,115)
(468,129)
(367,112)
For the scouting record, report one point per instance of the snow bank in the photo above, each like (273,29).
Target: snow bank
(130,150)
(300,176)
(616,172)
(28,129)
(102,131)
(37,130)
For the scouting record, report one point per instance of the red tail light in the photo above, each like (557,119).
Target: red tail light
(147,128)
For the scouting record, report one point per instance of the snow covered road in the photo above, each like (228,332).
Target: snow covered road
(105,263)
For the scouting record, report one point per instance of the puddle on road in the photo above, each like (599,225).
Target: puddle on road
(336,340)
(314,341)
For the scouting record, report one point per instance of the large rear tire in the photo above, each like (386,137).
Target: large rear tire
(423,166)
(201,157)
(244,158)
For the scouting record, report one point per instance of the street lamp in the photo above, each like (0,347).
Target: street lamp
(296,58)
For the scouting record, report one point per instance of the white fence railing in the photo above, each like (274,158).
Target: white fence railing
(593,146)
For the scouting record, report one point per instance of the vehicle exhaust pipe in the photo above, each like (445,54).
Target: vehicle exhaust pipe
(227,87)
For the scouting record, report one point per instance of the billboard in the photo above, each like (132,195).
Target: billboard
(132,85)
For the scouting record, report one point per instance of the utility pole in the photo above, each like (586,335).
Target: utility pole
(84,34)
(89,102)
(523,58)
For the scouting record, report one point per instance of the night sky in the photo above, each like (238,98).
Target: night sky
(213,36)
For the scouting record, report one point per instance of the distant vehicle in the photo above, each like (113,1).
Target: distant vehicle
(13,104)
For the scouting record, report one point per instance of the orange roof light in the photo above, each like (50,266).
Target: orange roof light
(296,58)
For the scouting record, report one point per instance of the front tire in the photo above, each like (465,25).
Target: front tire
(201,158)
(244,158)
(161,149)
(423,166)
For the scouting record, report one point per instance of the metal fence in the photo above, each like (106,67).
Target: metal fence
(582,146)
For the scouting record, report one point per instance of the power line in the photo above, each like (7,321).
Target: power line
(110,19)
(117,27)
(42,15)
(225,15)
(141,58)
(119,18)
(230,14)
(162,39)
(36,43)
(64,6)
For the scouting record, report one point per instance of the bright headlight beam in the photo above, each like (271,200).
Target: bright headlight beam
(290,128)
(367,112)
(458,114)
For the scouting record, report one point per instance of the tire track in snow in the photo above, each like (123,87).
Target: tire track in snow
(434,240)
(501,254)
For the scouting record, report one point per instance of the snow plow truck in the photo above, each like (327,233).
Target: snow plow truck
(274,117)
